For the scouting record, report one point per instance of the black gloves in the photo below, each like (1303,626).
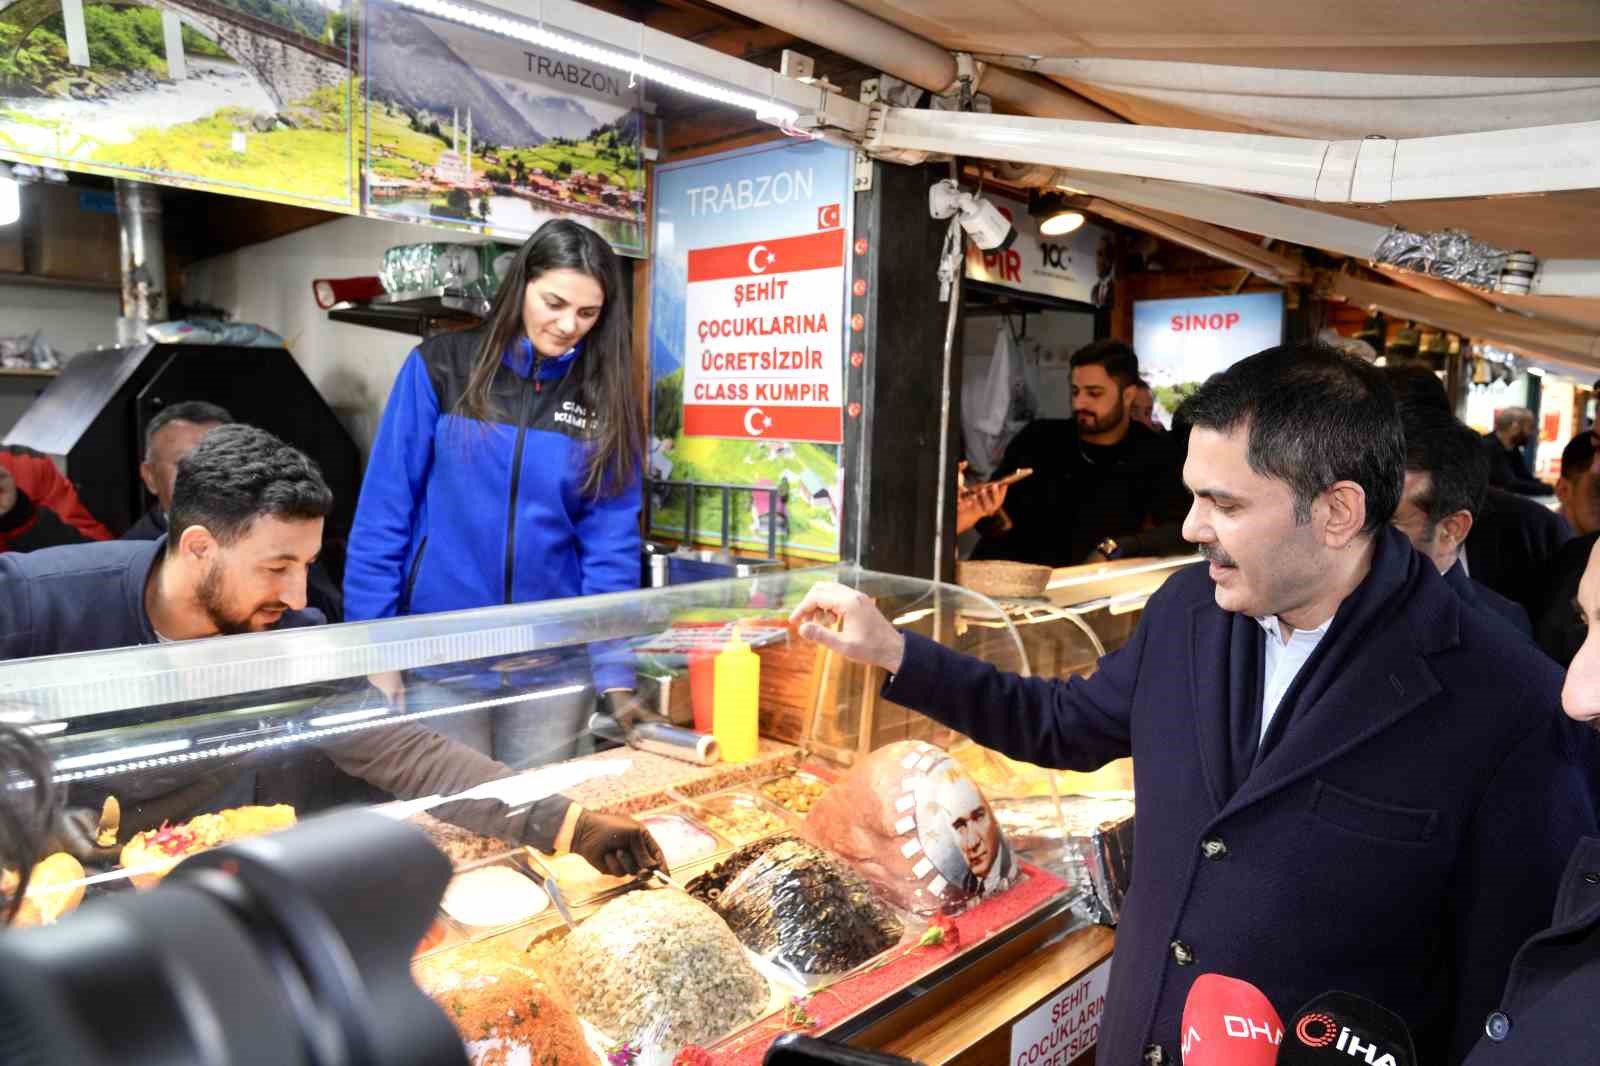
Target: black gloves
(629,712)
(615,844)
(75,831)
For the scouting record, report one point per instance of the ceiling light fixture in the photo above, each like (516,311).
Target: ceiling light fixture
(637,65)
(1059,225)
(1058,213)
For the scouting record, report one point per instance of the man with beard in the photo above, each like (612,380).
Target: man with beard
(174,432)
(1513,429)
(245,525)
(1347,778)
(1103,485)
(246,522)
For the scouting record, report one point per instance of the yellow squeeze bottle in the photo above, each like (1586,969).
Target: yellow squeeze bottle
(735,698)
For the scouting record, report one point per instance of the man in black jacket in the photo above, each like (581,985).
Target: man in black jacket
(1547,1011)
(1512,543)
(247,511)
(1513,429)
(1512,537)
(1347,778)
(1103,485)
(1446,475)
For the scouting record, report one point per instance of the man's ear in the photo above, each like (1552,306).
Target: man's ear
(1564,489)
(1456,526)
(1347,513)
(147,474)
(197,543)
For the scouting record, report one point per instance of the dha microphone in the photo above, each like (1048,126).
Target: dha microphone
(1228,1022)
(1343,1029)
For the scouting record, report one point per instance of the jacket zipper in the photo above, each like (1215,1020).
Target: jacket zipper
(411,579)
(516,478)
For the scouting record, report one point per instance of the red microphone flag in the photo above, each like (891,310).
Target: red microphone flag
(1227,1022)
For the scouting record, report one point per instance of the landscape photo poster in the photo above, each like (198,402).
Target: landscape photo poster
(473,130)
(248,97)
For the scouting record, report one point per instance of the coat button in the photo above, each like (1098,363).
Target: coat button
(1591,878)
(1154,1055)
(1181,953)
(1498,1027)
(1213,848)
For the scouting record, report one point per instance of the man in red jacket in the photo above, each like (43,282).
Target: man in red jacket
(39,508)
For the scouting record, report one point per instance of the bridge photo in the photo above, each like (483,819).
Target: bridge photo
(254,96)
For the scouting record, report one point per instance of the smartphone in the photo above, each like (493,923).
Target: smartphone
(1014,477)
(792,1049)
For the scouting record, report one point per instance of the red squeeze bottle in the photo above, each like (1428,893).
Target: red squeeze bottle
(702,686)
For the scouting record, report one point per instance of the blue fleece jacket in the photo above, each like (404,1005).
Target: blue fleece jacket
(457,513)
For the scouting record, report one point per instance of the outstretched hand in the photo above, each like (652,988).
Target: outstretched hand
(846,621)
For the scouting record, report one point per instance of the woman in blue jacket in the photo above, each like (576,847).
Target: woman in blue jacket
(507,467)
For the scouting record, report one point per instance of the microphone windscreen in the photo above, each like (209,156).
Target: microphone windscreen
(1347,1029)
(1228,1022)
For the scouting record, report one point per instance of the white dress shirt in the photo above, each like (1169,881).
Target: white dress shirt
(1284,660)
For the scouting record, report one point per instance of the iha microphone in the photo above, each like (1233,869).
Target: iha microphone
(1228,1022)
(1347,1030)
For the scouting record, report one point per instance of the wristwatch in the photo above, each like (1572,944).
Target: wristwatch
(1109,548)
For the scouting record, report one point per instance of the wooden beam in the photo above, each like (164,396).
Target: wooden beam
(1534,337)
(1435,287)
(1204,237)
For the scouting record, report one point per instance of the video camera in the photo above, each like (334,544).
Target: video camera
(286,950)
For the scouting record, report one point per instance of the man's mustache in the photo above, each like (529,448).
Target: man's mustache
(1215,554)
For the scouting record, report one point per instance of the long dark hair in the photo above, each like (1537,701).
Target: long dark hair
(27,809)
(616,420)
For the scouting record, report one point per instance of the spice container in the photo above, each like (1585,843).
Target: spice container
(681,839)
(742,817)
(578,881)
(492,897)
(796,792)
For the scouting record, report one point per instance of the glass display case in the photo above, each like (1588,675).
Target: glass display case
(861,851)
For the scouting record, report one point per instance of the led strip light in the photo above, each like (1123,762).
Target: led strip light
(634,65)
(80,770)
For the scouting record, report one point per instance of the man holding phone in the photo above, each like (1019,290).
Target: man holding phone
(1103,485)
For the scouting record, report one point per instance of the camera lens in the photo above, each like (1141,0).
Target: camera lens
(287,950)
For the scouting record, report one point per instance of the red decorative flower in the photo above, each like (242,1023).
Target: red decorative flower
(693,1055)
(942,930)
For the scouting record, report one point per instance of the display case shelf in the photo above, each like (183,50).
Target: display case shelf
(256,728)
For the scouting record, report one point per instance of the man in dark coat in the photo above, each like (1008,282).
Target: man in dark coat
(1547,1012)
(1512,542)
(1347,779)
(1513,430)
(1446,475)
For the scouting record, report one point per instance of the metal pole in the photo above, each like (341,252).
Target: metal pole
(727,525)
(951,318)
(144,261)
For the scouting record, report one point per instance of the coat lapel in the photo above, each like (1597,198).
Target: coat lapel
(1210,631)
(1374,692)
